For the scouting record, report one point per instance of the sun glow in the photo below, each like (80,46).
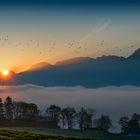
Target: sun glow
(5,72)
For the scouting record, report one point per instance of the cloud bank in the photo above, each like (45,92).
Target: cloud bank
(113,101)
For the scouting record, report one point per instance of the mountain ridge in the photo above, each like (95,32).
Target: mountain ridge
(87,72)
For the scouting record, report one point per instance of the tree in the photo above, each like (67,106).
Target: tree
(124,124)
(8,104)
(133,124)
(18,108)
(85,118)
(34,111)
(136,116)
(53,112)
(63,118)
(104,123)
(15,111)
(69,115)
(29,111)
(1,110)
(89,117)
(81,119)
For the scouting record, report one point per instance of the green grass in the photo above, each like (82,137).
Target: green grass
(8,134)
(19,133)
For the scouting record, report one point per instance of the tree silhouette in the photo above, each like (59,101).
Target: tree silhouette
(104,123)
(53,112)
(29,111)
(81,119)
(133,124)
(1,110)
(8,104)
(33,110)
(124,124)
(18,110)
(69,115)
(130,126)
(85,118)
(63,118)
(136,116)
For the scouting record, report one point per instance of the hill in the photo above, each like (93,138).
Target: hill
(85,71)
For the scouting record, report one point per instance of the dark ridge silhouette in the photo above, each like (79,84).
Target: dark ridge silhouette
(39,66)
(87,72)
(73,60)
(135,55)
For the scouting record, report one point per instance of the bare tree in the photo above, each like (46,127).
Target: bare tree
(69,115)
(85,117)
(8,104)
(124,124)
(53,112)
(2,115)
(104,123)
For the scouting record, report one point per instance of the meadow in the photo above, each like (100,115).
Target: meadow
(19,133)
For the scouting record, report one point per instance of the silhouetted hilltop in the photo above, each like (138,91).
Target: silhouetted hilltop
(39,66)
(87,72)
(74,60)
(135,55)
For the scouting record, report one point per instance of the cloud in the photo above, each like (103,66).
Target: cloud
(97,29)
(113,101)
(103,26)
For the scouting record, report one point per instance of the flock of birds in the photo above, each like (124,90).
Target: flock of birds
(50,47)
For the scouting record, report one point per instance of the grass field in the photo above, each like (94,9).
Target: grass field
(18,133)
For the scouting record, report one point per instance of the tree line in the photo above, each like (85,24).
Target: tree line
(13,113)
(130,125)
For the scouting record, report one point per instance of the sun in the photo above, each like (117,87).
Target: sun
(5,72)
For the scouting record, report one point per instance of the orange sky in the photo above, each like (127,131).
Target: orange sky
(32,34)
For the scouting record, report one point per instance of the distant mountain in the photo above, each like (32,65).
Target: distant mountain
(135,55)
(73,61)
(86,71)
(39,66)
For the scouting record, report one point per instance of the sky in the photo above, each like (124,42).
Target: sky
(33,31)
